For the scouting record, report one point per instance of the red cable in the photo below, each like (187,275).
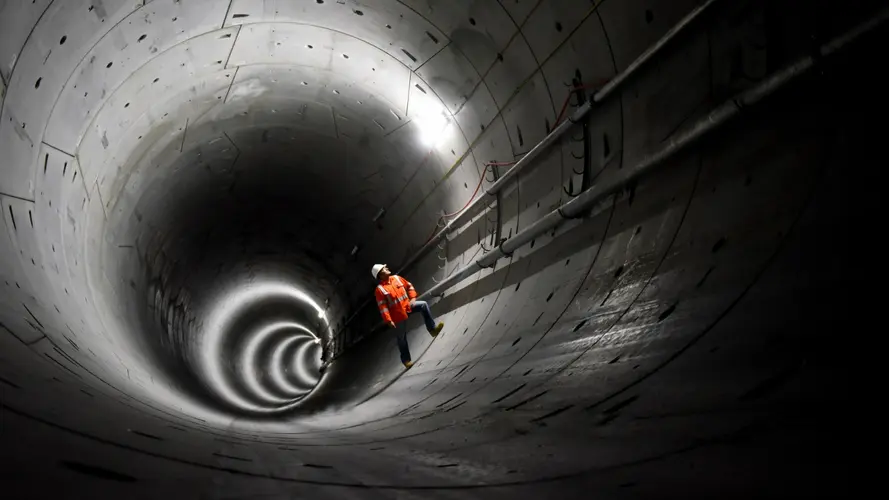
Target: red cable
(434,230)
(562,112)
(568,99)
(481,179)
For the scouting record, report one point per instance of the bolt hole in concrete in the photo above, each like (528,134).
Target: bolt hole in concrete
(146,435)
(96,471)
(666,314)
(63,40)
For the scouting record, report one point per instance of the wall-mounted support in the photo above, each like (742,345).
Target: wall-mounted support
(580,114)
(703,127)
(498,206)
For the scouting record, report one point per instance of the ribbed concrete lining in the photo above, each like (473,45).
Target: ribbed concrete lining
(180,177)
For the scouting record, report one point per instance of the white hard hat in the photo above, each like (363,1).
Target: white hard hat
(376,269)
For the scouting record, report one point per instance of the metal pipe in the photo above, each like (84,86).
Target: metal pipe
(615,82)
(580,113)
(550,138)
(587,179)
(600,96)
(714,120)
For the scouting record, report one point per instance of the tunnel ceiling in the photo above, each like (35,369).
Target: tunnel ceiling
(193,193)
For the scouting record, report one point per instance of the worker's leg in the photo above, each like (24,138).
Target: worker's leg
(423,308)
(401,340)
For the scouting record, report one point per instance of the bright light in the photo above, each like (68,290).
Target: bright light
(431,119)
(432,128)
(277,361)
(299,368)
(219,322)
(248,359)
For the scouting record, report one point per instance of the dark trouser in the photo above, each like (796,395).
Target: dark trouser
(401,330)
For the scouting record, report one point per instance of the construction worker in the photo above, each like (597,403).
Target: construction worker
(396,298)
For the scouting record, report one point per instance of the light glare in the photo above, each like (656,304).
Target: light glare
(431,119)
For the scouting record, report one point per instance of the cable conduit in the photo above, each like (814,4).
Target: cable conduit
(713,121)
(603,93)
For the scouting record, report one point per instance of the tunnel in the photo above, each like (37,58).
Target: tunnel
(648,227)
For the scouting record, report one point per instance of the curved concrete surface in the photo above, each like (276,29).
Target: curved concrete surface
(193,193)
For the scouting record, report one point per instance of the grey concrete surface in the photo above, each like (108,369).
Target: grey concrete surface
(189,194)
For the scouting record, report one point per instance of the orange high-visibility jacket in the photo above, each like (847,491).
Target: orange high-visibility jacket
(394,298)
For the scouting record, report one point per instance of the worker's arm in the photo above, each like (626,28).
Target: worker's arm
(411,292)
(383,306)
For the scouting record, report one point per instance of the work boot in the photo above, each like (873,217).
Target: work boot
(408,364)
(437,330)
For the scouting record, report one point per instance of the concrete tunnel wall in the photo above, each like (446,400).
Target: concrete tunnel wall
(159,155)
